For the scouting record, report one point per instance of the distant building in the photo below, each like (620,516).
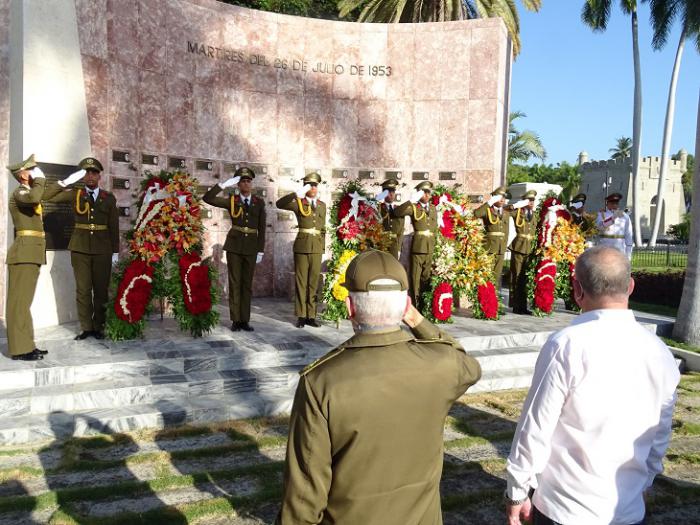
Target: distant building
(600,178)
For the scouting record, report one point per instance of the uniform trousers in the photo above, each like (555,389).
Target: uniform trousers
(498,270)
(240,285)
(421,267)
(518,281)
(92,273)
(307,273)
(21,284)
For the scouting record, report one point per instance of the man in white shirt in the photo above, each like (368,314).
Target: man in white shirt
(615,226)
(597,420)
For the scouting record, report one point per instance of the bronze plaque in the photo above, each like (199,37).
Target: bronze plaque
(366,174)
(149,160)
(120,156)
(59,218)
(448,175)
(419,175)
(177,162)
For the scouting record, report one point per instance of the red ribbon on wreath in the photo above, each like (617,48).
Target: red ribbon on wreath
(134,291)
(488,301)
(194,276)
(545,283)
(442,302)
(448,223)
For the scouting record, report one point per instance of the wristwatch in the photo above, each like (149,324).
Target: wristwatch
(513,502)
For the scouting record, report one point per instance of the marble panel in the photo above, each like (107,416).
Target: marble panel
(343,149)
(263,127)
(372,116)
(152,35)
(208,134)
(206,388)
(10,407)
(399,133)
(373,55)
(452,143)
(122,31)
(481,139)
(92,21)
(162,367)
(152,111)
(484,54)
(455,65)
(169,391)
(317,130)
(205,364)
(235,116)
(318,49)
(123,112)
(428,51)
(426,134)
(401,58)
(346,50)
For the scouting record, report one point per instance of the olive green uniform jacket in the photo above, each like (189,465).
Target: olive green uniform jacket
(238,240)
(426,222)
(28,249)
(394,225)
(306,242)
(525,231)
(366,431)
(496,237)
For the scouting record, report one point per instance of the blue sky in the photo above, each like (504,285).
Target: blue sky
(576,86)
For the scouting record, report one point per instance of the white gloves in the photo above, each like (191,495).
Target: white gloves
(303,190)
(259,258)
(324,257)
(72,178)
(577,205)
(37,173)
(115,258)
(381,196)
(494,199)
(416,196)
(229,182)
(521,204)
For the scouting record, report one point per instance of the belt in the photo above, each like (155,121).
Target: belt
(92,227)
(310,231)
(495,234)
(30,233)
(606,236)
(427,233)
(244,229)
(525,236)
(392,235)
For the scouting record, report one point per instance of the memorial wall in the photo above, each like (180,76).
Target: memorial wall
(206,87)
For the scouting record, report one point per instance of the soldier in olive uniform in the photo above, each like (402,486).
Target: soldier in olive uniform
(24,258)
(309,246)
(425,226)
(520,248)
(245,242)
(94,244)
(391,222)
(496,223)
(576,208)
(365,435)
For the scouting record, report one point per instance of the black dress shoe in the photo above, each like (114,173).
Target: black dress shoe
(31,356)
(300,322)
(98,334)
(41,352)
(312,322)
(235,326)
(246,327)
(83,335)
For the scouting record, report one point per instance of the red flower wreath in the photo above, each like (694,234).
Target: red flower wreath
(134,292)
(194,275)
(448,228)
(545,283)
(488,302)
(442,301)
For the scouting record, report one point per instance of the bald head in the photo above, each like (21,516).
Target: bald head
(604,274)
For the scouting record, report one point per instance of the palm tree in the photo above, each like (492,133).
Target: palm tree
(523,145)
(596,14)
(392,11)
(687,326)
(622,149)
(663,13)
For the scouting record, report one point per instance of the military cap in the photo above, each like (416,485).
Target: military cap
(371,266)
(26,164)
(312,178)
(581,197)
(90,163)
(245,173)
(390,184)
(426,185)
(529,195)
(501,190)
(614,197)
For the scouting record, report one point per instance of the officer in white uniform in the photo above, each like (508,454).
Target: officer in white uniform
(615,226)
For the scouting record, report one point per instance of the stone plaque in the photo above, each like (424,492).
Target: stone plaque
(204,165)
(259,169)
(393,175)
(448,175)
(177,162)
(229,167)
(340,174)
(367,174)
(120,156)
(124,211)
(285,215)
(260,192)
(149,160)
(475,199)
(58,217)
(287,172)
(120,184)
(206,213)
(419,175)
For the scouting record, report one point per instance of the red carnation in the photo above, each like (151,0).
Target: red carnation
(442,301)
(194,276)
(488,301)
(545,284)
(134,291)
(344,207)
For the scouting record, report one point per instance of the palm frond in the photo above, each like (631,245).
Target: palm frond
(596,13)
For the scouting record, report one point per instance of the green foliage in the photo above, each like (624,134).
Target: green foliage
(326,9)
(563,173)
(681,231)
(523,145)
(622,149)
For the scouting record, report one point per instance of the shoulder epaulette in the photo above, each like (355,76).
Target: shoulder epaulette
(330,355)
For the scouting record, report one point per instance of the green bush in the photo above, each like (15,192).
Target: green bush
(658,288)
(681,231)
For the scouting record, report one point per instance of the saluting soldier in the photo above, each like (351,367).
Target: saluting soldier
(615,226)
(94,243)
(245,242)
(365,434)
(576,208)
(425,226)
(309,246)
(521,248)
(24,258)
(496,224)
(390,221)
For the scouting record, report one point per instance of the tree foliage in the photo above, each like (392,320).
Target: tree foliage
(562,173)
(523,145)
(327,9)
(622,149)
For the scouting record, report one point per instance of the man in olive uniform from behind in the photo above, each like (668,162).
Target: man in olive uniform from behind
(94,244)
(390,221)
(425,226)
(245,242)
(496,223)
(309,246)
(24,258)
(520,249)
(366,431)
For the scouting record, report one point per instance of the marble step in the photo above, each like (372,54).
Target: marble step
(503,379)
(506,358)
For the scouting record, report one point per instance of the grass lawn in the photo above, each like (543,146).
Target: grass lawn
(658,309)
(682,346)
(660,259)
